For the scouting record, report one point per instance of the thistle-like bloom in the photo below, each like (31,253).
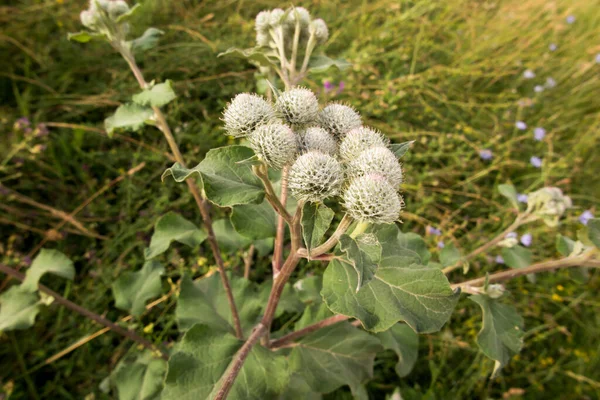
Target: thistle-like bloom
(245,113)
(315,138)
(539,133)
(95,18)
(358,140)
(315,176)
(521,125)
(486,154)
(298,13)
(536,161)
(370,198)
(298,106)
(320,30)
(528,74)
(585,217)
(276,144)
(263,21)
(548,203)
(339,119)
(377,160)
(275,16)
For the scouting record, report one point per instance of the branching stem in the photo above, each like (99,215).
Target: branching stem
(285,340)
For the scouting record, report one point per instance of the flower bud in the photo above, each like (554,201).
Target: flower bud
(315,176)
(315,138)
(339,119)
(275,144)
(262,22)
(298,13)
(246,112)
(276,16)
(116,8)
(371,198)
(380,161)
(89,19)
(358,140)
(298,106)
(548,203)
(321,32)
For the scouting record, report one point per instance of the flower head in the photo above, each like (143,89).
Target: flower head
(499,259)
(358,140)
(539,133)
(377,160)
(245,113)
(315,176)
(274,143)
(321,32)
(315,138)
(549,204)
(521,125)
(585,217)
(338,119)
(371,198)
(528,74)
(536,161)
(526,239)
(485,154)
(298,106)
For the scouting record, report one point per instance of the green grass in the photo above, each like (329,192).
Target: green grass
(446,74)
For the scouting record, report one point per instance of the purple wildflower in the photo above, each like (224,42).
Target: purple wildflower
(570,19)
(41,130)
(538,89)
(526,239)
(597,59)
(433,231)
(550,83)
(521,125)
(485,154)
(528,74)
(522,198)
(552,47)
(511,235)
(585,217)
(328,86)
(539,133)
(441,244)
(341,87)
(536,161)
(22,123)
(499,259)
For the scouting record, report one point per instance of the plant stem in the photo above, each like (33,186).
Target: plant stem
(87,313)
(203,205)
(284,340)
(248,261)
(261,172)
(361,227)
(280,236)
(332,240)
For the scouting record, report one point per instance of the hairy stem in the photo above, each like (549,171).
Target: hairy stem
(295,47)
(201,202)
(280,236)
(332,240)
(261,172)
(87,313)
(284,340)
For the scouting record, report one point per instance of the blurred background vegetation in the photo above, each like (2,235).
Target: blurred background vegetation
(447,74)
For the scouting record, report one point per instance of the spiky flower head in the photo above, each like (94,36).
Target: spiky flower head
(245,113)
(275,16)
(338,119)
(116,8)
(549,204)
(320,29)
(262,21)
(95,16)
(315,138)
(298,106)
(275,144)
(377,160)
(371,198)
(298,13)
(358,140)
(315,176)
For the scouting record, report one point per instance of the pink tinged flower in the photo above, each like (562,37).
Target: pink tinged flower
(341,87)
(485,154)
(441,245)
(536,161)
(499,260)
(521,125)
(526,239)
(570,19)
(552,47)
(585,217)
(538,89)
(522,198)
(539,133)
(328,86)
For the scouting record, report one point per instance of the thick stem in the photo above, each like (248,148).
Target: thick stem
(87,313)
(261,172)
(280,237)
(203,205)
(333,239)
(284,340)
(295,48)
(361,227)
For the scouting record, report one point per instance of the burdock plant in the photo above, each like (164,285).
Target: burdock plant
(378,288)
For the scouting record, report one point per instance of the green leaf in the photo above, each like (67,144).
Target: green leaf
(517,256)
(52,261)
(316,219)
(298,389)
(228,238)
(399,149)
(288,302)
(226,183)
(405,343)
(84,36)
(449,255)
(264,247)
(172,227)
(201,358)
(204,301)
(132,289)
(321,63)
(139,377)
(564,245)
(313,314)
(147,41)
(363,264)
(501,335)
(157,96)
(128,116)
(507,190)
(258,55)
(18,308)
(254,221)
(594,231)
(129,14)
(335,356)
(309,289)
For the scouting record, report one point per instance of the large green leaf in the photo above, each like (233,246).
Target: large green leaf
(226,182)
(132,289)
(334,356)
(321,63)
(288,302)
(594,231)
(52,261)
(147,41)
(18,308)
(507,190)
(255,221)
(449,255)
(316,219)
(517,256)
(565,246)
(202,357)
(172,227)
(129,116)
(156,96)
(228,238)
(501,335)
(258,55)
(205,301)
(399,149)
(139,377)
(362,260)
(405,343)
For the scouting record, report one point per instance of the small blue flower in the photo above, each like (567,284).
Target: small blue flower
(597,59)
(485,154)
(585,217)
(499,260)
(536,161)
(521,125)
(526,239)
(441,244)
(552,47)
(433,231)
(539,133)
(570,19)
(550,83)
(528,74)
(522,198)
(511,235)
(538,89)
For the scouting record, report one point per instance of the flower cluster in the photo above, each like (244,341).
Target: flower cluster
(328,151)
(103,16)
(549,204)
